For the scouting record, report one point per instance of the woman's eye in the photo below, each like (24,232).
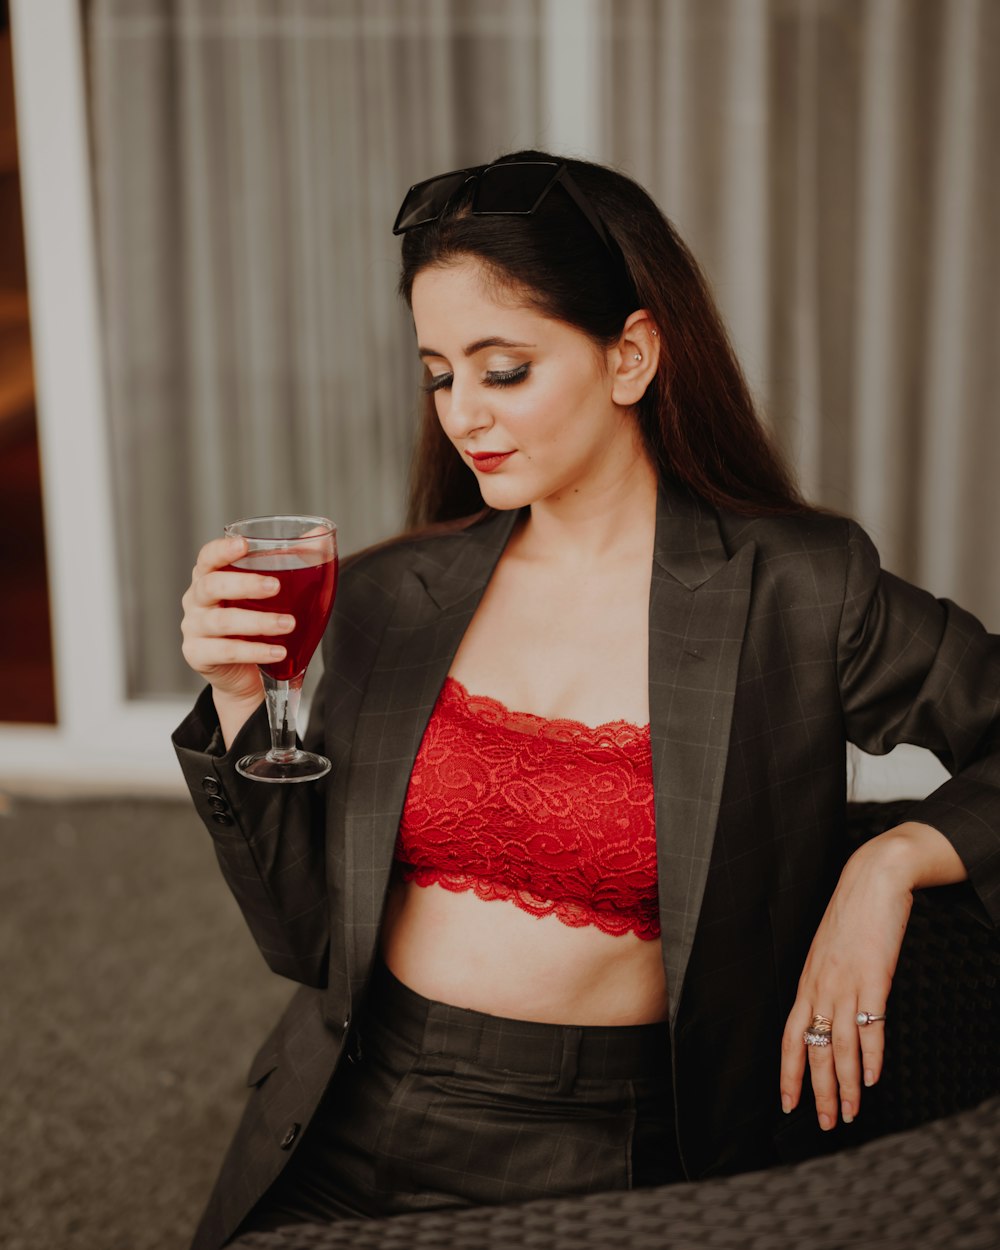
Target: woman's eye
(493,377)
(507,377)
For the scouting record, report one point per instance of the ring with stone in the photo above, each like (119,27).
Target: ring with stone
(868,1017)
(819,1031)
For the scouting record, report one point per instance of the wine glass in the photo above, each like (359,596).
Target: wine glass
(301,552)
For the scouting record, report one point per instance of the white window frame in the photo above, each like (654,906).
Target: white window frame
(103,739)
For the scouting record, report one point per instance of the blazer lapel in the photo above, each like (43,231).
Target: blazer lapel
(698,605)
(699,599)
(436,601)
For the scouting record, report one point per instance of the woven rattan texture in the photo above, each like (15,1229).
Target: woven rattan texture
(943,1031)
(934,1186)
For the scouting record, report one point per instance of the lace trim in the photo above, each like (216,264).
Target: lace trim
(617,733)
(574,914)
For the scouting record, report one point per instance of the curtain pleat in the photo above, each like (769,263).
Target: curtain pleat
(249,158)
(880,461)
(796,317)
(834,166)
(746,162)
(832,163)
(948,410)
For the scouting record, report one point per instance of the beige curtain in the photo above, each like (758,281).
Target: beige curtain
(249,158)
(832,162)
(835,166)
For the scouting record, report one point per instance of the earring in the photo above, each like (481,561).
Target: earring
(655,334)
(637,356)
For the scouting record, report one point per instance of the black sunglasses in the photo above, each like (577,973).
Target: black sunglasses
(511,188)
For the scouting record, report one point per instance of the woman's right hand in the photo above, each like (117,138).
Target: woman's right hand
(227,662)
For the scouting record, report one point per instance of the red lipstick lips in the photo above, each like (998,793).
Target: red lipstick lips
(487,461)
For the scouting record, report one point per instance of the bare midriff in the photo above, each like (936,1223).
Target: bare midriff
(489,956)
(561,633)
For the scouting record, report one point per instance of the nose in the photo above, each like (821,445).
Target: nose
(465,409)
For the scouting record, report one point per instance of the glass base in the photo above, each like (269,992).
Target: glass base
(302,766)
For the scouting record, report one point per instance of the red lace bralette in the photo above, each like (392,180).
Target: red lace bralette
(553,815)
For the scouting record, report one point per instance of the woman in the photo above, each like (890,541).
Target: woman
(572,910)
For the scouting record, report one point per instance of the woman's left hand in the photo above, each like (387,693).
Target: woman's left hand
(851,964)
(849,968)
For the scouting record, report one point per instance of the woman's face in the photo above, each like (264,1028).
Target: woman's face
(526,401)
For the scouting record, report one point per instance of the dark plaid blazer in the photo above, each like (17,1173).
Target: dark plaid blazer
(773,642)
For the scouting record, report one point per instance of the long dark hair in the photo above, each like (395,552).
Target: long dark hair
(697,417)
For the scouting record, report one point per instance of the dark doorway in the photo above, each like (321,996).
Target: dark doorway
(27,687)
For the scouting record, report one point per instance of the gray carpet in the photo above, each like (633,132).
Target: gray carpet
(132,1001)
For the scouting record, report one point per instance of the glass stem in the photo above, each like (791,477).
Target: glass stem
(282,713)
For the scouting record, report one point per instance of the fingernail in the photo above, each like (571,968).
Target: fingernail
(273,585)
(277,653)
(846,1113)
(825,1122)
(869,1077)
(786,1103)
(286,622)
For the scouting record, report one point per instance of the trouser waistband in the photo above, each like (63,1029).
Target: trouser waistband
(590,1052)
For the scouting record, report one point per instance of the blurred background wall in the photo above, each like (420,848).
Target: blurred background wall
(832,163)
(198,320)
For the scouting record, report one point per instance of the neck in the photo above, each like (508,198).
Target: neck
(613,518)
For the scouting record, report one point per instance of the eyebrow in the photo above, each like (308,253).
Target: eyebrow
(470,349)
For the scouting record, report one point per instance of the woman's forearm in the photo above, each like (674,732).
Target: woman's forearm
(919,855)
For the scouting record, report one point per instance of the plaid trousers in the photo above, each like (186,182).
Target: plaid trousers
(439,1106)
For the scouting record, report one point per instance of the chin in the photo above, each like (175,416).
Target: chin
(504,496)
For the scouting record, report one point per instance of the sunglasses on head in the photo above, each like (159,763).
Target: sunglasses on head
(511,188)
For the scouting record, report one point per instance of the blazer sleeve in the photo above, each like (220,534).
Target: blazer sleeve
(268,839)
(917,669)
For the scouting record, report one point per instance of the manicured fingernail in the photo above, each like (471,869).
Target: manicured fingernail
(786,1103)
(277,653)
(869,1077)
(825,1122)
(272,585)
(846,1113)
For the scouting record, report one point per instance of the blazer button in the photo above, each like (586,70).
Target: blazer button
(347,1022)
(218,805)
(290,1135)
(210,785)
(221,818)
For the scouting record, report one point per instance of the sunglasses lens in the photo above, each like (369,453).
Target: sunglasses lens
(427,200)
(512,188)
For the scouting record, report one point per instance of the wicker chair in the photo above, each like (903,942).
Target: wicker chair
(918,1180)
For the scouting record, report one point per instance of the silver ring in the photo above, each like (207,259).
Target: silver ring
(868,1017)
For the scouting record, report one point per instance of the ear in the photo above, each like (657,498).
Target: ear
(634,359)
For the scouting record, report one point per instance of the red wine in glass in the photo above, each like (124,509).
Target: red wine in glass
(301,552)
(308,586)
